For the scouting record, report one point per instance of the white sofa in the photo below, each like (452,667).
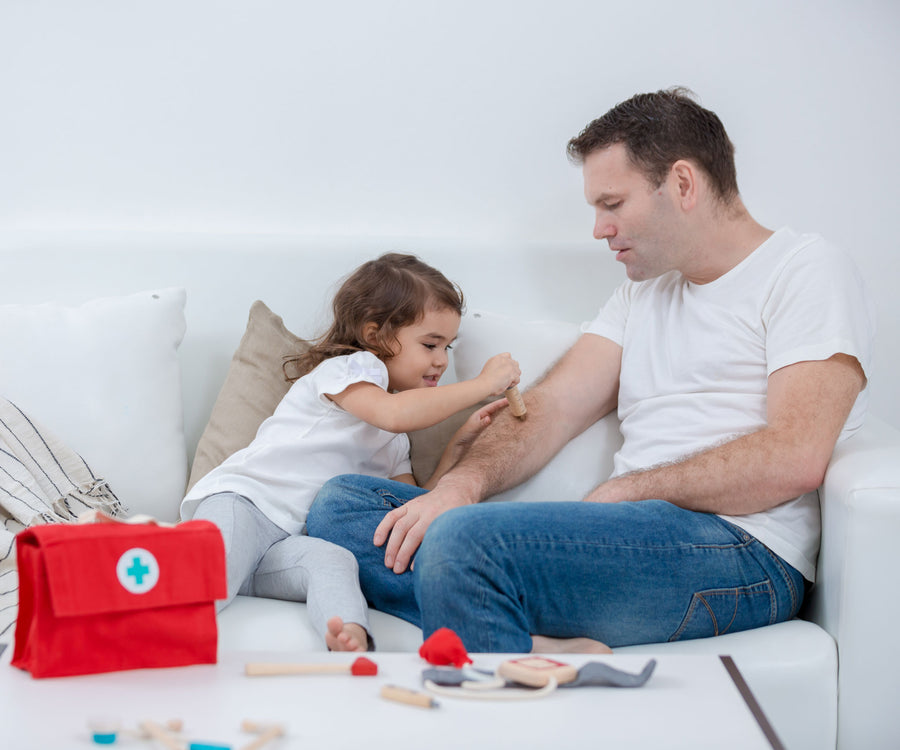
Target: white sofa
(131,383)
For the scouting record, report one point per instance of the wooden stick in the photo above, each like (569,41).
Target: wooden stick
(158,733)
(410,697)
(270,734)
(267,733)
(516,404)
(171,725)
(253,727)
(261,669)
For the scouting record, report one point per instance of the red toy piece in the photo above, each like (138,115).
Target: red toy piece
(444,647)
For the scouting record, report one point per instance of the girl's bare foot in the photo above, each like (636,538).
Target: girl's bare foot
(542,644)
(348,636)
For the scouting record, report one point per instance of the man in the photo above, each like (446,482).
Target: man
(736,357)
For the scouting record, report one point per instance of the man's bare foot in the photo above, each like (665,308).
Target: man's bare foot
(542,644)
(348,636)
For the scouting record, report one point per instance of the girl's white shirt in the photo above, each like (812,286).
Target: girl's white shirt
(307,441)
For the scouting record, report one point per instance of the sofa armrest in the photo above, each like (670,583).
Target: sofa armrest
(854,598)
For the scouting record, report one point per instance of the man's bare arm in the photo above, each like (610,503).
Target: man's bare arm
(579,390)
(808,403)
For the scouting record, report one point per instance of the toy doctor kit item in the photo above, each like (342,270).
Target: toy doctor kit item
(168,735)
(528,677)
(525,677)
(516,403)
(103,597)
(409,697)
(444,647)
(536,671)
(360,667)
(106,731)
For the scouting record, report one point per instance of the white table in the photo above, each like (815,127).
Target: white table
(689,702)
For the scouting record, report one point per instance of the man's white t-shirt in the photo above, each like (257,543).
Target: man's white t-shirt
(696,358)
(308,440)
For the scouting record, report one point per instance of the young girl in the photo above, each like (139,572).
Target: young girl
(370,379)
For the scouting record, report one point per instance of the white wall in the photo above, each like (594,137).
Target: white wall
(437,119)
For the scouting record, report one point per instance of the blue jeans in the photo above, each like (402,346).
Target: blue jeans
(621,573)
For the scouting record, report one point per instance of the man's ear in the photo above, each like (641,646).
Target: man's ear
(370,333)
(684,176)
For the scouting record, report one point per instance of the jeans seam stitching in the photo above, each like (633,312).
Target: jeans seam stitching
(787,579)
(699,597)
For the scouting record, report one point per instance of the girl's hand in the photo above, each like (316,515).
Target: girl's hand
(499,373)
(475,424)
(463,438)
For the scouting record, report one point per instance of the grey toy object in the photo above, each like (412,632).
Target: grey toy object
(597,673)
(455,677)
(592,674)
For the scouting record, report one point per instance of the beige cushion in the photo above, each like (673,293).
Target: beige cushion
(254,386)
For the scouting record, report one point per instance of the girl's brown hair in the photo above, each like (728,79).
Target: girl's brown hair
(392,291)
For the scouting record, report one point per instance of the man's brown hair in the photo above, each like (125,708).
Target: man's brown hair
(658,129)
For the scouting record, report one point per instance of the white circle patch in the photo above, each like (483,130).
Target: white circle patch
(137,570)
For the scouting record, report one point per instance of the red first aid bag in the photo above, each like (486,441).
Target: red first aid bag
(110,596)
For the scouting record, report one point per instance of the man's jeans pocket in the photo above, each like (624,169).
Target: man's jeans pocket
(727,610)
(391,500)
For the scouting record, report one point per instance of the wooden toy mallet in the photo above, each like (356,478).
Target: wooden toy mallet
(361,667)
(516,403)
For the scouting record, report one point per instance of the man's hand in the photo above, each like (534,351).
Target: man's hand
(404,528)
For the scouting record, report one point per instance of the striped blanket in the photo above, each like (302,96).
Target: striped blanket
(41,481)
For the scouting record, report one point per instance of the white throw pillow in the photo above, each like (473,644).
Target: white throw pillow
(104,377)
(585,461)
(534,344)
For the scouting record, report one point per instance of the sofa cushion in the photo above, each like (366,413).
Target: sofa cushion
(104,377)
(254,385)
(582,464)
(253,623)
(534,344)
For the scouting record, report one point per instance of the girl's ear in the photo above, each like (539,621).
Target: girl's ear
(370,333)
